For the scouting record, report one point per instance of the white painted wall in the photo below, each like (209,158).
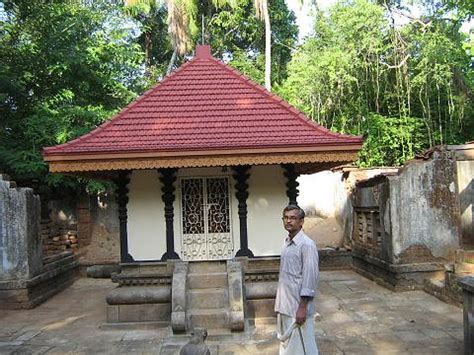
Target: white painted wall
(146,219)
(267,198)
(146,222)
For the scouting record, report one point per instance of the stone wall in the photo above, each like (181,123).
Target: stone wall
(465,179)
(406,224)
(20,245)
(87,225)
(104,245)
(424,207)
(57,238)
(26,277)
(326,199)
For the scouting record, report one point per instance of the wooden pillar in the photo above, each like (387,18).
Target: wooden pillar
(241,175)
(122,200)
(291,184)
(168,177)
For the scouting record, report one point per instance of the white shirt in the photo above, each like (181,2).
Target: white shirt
(299,274)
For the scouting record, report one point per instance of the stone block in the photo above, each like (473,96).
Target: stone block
(236,295)
(144,312)
(331,259)
(208,318)
(464,268)
(196,281)
(396,277)
(113,314)
(139,295)
(259,290)
(178,297)
(207,298)
(153,269)
(30,293)
(207,266)
(260,308)
(102,271)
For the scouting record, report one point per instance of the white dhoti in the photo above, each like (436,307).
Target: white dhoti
(295,339)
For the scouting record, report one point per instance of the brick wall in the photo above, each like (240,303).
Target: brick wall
(58,238)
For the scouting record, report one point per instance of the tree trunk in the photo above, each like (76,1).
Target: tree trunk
(148,48)
(172,60)
(268,47)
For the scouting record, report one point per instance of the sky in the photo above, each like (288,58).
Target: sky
(304,20)
(302,12)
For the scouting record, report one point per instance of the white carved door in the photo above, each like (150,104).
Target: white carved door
(206,227)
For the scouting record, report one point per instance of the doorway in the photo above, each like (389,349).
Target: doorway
(206,228)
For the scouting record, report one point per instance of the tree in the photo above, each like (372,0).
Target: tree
(410,86)
(232,29)
(261,10)
(182,16)
(66,67)
(152,19)
(236,33)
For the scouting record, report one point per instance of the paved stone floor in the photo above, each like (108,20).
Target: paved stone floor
(357,317)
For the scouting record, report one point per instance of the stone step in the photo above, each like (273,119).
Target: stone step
(201,267)
(207,280)
(437,284)
(210,298)
(208,318)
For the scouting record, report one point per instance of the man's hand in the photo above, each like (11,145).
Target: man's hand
(301,313)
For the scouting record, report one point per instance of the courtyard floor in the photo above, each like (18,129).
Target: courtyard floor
(356,317)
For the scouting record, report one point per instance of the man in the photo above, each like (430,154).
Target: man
(297,282)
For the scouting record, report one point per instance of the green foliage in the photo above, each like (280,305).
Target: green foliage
(391,140)
(252,66)
(235,33)
(66,68)
(151,19)
(359,74)
(230,27)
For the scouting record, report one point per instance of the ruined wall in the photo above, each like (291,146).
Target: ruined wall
(59,227)
(411,216)
(20,243)
(465,180)
(87,225)
(326,198)
(424,207)
(103,246)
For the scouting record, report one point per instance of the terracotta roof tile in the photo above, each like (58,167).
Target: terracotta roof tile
(204,105)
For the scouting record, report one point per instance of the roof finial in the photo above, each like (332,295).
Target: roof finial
(203,51)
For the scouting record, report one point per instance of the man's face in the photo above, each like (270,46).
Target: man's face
(292,222)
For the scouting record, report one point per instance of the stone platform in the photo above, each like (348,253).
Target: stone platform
(57,275)
(357,317)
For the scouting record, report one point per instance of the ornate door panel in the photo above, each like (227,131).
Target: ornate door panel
(205,219)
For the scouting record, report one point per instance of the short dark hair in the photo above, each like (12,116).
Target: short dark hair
(301,213)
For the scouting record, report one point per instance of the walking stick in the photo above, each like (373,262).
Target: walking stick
(302,341)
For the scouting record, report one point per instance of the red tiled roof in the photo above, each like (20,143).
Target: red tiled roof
(204,105)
